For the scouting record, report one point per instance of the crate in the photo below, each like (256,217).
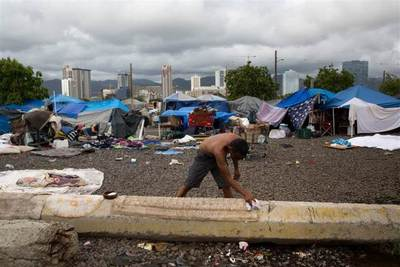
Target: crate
(303,133)
(251,133)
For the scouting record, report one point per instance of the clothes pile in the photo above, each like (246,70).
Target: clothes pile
(52,180)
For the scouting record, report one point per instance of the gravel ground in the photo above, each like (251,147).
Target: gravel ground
(292,170)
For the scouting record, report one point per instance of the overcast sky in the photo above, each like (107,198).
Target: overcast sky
(199,36)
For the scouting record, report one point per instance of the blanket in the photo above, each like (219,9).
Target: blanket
(79,181)
(386,142)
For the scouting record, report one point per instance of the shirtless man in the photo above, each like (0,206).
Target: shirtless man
(212,157)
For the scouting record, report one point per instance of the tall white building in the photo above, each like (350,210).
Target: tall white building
(290,82)
(195,82)
(220,78)
(122,80)
(66,85)
(166,80)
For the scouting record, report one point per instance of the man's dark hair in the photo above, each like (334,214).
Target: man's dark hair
(240,146)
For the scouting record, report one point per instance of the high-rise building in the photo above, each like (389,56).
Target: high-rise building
(166,80)
(220,78)
(122,80)
(359,69)
(290,82)
(195,82)
(76,82)
(67,72)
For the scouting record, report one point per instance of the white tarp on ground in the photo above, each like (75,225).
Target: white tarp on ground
(12,149)
(386,142)
(93,178)
(372,118)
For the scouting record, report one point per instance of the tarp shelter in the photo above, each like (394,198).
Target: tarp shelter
(184,112)
(13,111)
(363,93)
(270,114)
(303,95)
(217,102)
(244,105)
(179,100)
(372,118)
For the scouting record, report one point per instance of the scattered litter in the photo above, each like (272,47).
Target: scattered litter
(302,254)
(286,145)
(232,259)
(87,243)
(243,245)
(255,205)
(146,246)
(259,256)
(297,162)
(52,160)
(175,162)
(228,253)
(133,160)
(169,152)
(118,159)
(185,139)
(261,139)
(147,162)
(9,166)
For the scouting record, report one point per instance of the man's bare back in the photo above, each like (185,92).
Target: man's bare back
(216,144)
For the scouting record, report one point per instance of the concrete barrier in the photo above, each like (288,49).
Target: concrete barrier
(214,219)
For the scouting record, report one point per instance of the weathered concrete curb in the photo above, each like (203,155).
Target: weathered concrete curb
(209,219)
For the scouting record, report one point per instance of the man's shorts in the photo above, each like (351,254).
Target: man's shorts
(202,164)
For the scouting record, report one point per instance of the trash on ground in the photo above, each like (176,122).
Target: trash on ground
(9,166)
(255,205)
(87,243)
(243,245)
(146,246)
(147,162)
(52,160)
(169,152)
(133,160)
(119,159)
(232,259)
(175,162)
(302,254)
(297,162)
(259,256)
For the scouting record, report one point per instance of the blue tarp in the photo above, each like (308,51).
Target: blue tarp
(4,124)
(105,104)
(65,99)
(71,110)
(183,113)
(302,95)
(364,93)
(28,105)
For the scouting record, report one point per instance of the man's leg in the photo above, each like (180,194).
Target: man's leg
(227,192)
(182,191)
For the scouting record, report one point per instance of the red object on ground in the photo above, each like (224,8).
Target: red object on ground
(201,120)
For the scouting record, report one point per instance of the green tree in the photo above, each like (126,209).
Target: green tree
(18,83)
(391,85)
(250,80)
(308,81)
(331,79)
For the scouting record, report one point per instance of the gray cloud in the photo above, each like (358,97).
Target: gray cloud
(199,36)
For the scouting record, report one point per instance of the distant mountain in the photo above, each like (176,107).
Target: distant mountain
(207,80)
(53,85)
(181,84)
(97,86)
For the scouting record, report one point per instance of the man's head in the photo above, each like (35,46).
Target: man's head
(238,148)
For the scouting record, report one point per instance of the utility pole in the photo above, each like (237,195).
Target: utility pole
(130,84)
(276,65)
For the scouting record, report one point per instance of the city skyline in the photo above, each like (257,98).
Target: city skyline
(199,36)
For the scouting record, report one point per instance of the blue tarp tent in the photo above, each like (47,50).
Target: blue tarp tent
(65,99)
(364,93)
(10,110)
(304,94)
(184,112)
(217,102)
(179,100)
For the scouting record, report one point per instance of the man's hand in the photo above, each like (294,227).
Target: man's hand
(248,197)
(236,175)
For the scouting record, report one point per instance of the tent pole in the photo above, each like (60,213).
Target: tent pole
(333,121)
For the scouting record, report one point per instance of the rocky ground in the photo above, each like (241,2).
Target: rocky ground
(292,170)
